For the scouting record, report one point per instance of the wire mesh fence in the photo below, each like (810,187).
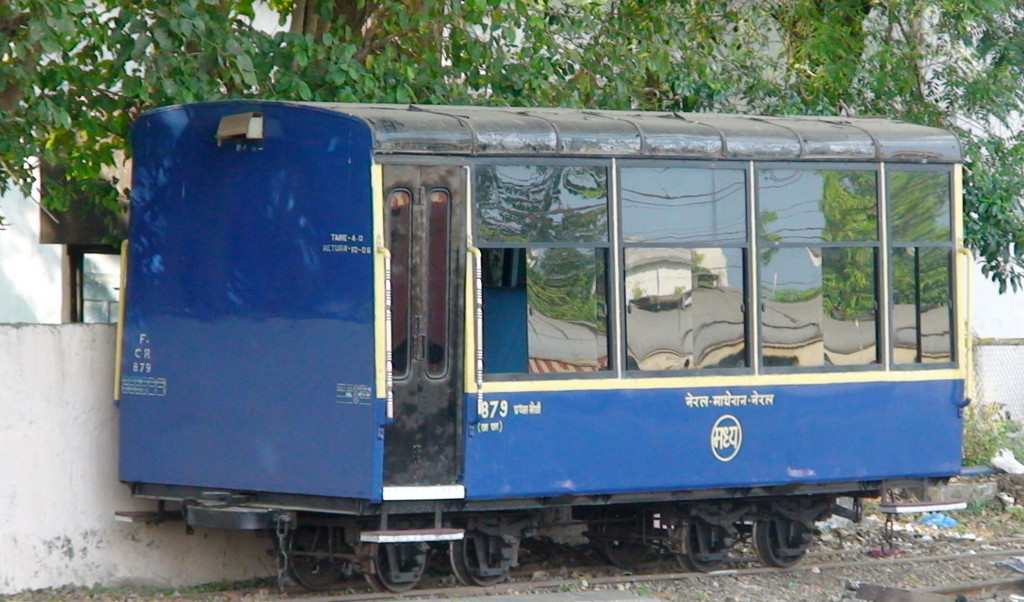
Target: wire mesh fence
(999,374)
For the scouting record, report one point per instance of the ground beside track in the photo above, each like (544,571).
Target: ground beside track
(928,557)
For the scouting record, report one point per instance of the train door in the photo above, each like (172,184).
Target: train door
(424,222)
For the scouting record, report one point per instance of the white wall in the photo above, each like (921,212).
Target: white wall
(995,316)
(998,321)
(30,273)
(58,478)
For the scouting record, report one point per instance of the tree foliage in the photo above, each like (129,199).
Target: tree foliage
(73,74)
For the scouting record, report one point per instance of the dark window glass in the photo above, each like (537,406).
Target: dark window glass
(672,204)
(791,317)
(541,203)
(399,241)
(438,235)
(922,321)
(919,205)
(811,205)
(684,308)
(850,294)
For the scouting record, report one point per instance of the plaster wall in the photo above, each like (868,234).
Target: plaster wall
(995,316)
(58,478)
(30,273)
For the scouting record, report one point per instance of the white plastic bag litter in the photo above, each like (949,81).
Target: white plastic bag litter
(1015,562)
(1006,462)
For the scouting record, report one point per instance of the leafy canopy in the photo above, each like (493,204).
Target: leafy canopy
(73,74)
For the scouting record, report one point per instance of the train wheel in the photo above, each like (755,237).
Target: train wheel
(395,567)
(309,561)
(781,542)
(700,547)
(481,559)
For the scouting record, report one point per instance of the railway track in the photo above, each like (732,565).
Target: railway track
(824,565)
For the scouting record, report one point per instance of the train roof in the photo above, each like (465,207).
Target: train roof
(465,130)
(519,131)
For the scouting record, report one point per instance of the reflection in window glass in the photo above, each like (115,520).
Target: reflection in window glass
(791,320)
(922,321)
(850,306)
(919,205)
(920,212)
(662,205)
(684,308)
(820,306)
(566,300)
(541,203)
(399,239)
(804,205)
(439,227)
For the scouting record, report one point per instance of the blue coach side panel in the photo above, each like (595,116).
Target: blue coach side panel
(642,440)
(248,334)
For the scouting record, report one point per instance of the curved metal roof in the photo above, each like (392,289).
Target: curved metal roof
(466,130)
(496,131)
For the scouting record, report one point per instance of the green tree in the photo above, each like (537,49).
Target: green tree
(73,74)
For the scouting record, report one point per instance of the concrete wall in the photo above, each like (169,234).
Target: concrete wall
(58,478)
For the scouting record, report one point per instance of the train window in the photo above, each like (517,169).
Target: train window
(684,308)
(810,205)
(399,241)
(543,232)
(849,279)
(920,202)
(818,281)
(819,306)
(566,310)
(541,203)
(674,205)
(919,206)
(922,321)
(439,233)
(791,311)
(504,319)
(544,310)
(684,233)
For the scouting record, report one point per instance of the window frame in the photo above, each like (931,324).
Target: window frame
(607,245)
(879,244)
(954,284)
(446,249)
(751,248)
(389,243)
(743,246)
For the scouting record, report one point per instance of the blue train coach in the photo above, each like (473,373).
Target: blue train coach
(377,331)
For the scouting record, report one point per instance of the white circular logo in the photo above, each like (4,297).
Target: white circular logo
(726,438)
